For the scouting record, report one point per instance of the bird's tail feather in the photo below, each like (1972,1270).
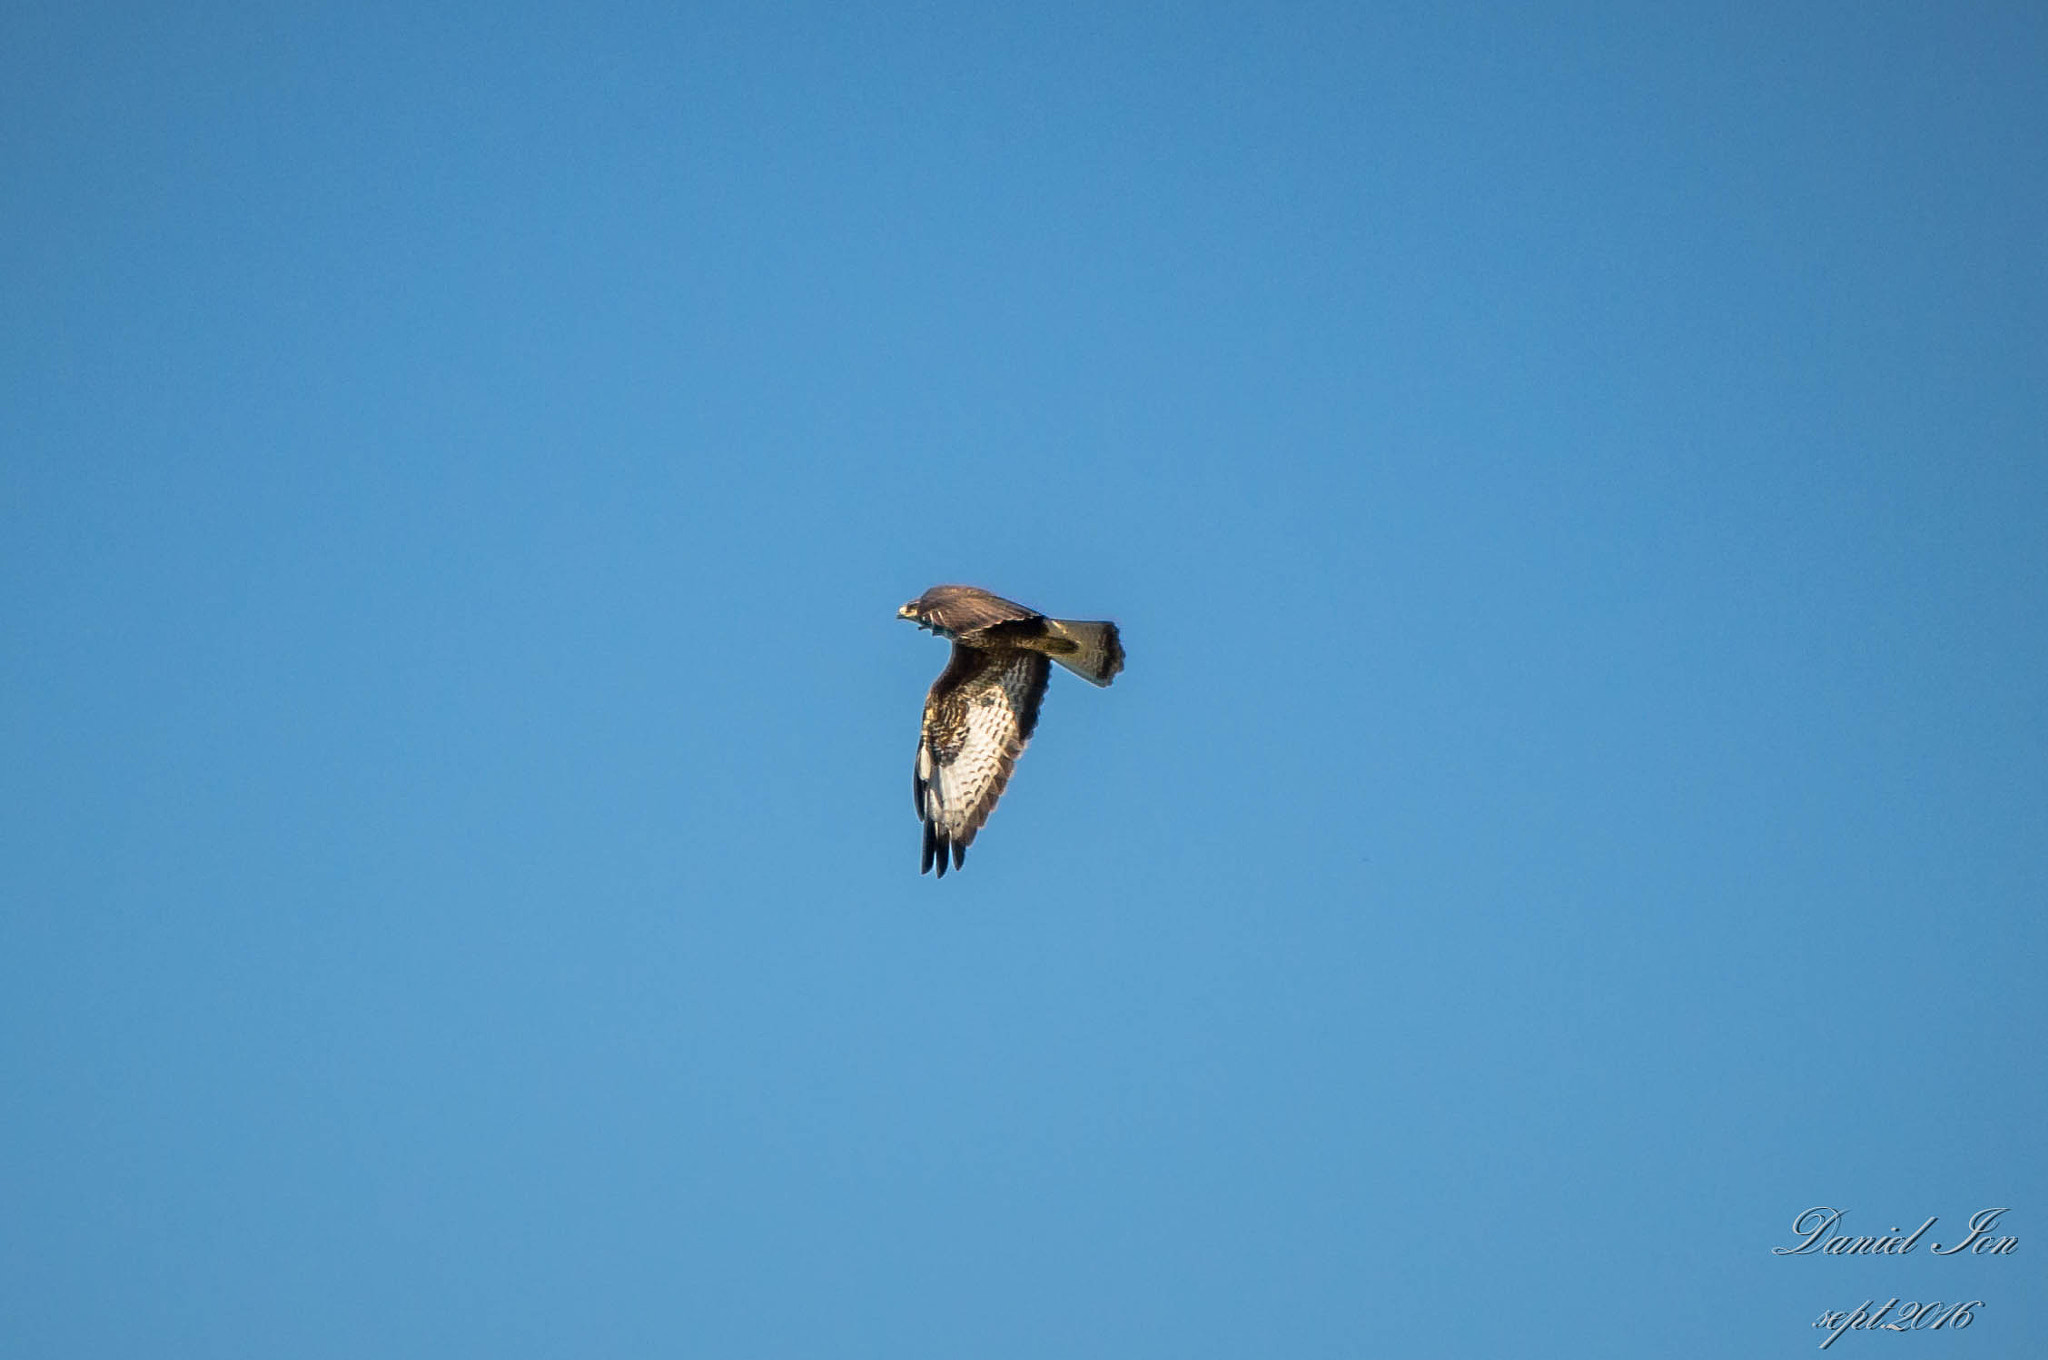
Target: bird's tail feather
(1097,654)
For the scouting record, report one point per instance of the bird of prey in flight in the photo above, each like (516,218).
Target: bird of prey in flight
(983,706)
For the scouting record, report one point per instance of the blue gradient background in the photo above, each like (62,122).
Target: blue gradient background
(1572,481)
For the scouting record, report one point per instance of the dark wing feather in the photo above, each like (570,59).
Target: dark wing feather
(963,609)
(977,719)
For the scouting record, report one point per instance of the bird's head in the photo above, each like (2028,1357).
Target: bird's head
(925,615)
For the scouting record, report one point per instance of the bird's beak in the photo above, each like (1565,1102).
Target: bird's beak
(906,612)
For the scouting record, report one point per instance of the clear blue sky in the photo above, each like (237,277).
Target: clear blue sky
(1573,482)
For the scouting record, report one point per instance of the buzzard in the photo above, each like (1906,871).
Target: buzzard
(983,706)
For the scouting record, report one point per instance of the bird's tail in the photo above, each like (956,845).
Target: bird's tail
(1097,653)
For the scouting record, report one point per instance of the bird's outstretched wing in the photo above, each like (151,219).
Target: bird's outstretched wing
(963,609)
(977,718)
